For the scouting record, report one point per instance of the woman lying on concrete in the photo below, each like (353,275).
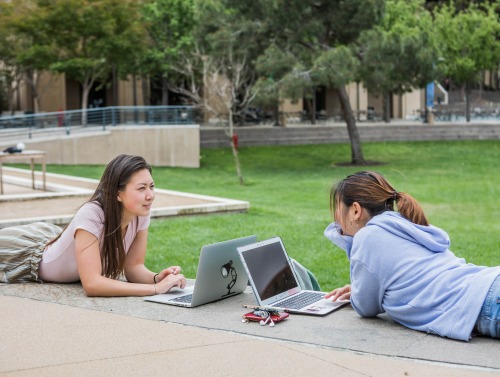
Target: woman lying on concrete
(402,265)
(106,239)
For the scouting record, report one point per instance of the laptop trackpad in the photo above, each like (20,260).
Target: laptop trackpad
(172,294)
(324,306)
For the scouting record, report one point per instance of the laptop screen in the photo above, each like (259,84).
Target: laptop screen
(269,269)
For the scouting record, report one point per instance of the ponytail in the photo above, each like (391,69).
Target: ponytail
(410,209)
(372,191)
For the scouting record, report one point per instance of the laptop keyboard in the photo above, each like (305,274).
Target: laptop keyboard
(186,298)
(300,301)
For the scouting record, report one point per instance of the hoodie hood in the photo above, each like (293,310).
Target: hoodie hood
(431,237)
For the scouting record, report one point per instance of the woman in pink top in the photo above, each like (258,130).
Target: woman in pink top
(106,239)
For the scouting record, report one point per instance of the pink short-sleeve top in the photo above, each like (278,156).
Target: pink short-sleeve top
(58,262)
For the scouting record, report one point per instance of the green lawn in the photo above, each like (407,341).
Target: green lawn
(457,183)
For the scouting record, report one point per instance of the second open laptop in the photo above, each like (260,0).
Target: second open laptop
(275,283)
(220,275)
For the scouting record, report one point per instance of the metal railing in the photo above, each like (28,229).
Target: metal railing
(94,119)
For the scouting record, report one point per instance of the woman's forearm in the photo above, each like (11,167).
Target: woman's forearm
(101,286)
(139,274)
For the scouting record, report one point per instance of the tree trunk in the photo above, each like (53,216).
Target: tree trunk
(164,91)
(234,147)
(467,103)
(237,162)
(356,151)
(357,102)
(115,86)
(313,107)
(387,107)
(146,93)
(33,82)
(134,97)
(277,116)
(36,104)
(481,84)
(12,86)
(134,90)
(34,94)
(85,101)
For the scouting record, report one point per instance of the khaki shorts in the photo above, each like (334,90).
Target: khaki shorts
(21,249)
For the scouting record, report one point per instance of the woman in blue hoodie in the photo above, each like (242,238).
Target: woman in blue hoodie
(402,265)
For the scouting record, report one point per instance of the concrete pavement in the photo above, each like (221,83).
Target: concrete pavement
(65,194)
(55,330)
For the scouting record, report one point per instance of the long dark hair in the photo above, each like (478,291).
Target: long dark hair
(372,191)
(114,179)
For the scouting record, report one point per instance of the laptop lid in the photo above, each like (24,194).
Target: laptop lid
(220,274)
(220,271)
(269,270)
(274,280)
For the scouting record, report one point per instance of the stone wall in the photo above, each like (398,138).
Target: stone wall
(159,145)
(308,134)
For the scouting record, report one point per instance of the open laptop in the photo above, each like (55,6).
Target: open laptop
(220,275)
(274,281)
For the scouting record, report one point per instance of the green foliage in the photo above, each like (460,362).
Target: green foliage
(6,39)
(316,34)
(469,40)
(277,78)
(11,47)
(169,25)
(335,67)
(83,39)
(400,53)
(3,95)
(288,190)
(222,27)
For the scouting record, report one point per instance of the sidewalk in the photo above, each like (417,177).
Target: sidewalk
(55,330)
(65,194)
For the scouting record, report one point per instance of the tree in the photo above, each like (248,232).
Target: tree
(82,39)
(28,52)
(318,34)
(10,69)
(399,54)
(220,72)
(469,43)
(169,25)
(276,81)
(225,86)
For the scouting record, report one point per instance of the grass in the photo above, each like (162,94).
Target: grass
(456,182)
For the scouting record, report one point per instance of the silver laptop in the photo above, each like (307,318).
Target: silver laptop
(220,275)
(274,281)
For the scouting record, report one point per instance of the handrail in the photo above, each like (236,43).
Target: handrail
(101,117)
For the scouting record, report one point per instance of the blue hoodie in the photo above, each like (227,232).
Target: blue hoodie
(408,271)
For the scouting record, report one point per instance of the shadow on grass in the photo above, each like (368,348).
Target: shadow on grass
(360,163)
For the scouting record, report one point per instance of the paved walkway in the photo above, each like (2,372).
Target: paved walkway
(65,194)
(55,330)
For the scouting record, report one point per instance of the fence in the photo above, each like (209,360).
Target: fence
(95,119)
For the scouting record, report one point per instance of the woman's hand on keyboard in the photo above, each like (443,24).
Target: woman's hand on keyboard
(343,293)
(170,281)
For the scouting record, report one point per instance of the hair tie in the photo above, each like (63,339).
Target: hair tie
(394,195)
